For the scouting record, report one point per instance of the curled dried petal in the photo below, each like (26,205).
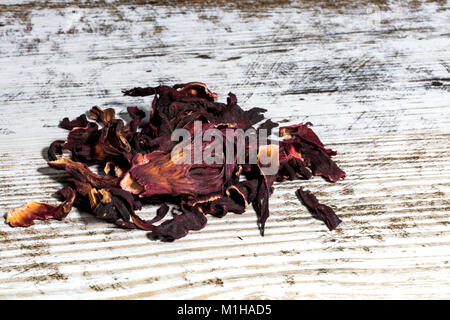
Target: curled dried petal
(176,228)
(239,195)
(81,172)
(148,224)
(306,134)
(81,121)
(180,225)
(321,163)
(320,211)
(158,175)
(55,149)
(102,116)
(197,89)
(25,215)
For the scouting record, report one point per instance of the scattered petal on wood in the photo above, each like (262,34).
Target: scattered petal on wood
(25,215)
(320,211)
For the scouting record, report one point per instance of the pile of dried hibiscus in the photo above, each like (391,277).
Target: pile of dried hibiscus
(138,165)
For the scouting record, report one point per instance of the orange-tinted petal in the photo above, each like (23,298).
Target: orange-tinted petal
(25,215)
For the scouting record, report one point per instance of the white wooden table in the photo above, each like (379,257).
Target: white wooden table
(373,78)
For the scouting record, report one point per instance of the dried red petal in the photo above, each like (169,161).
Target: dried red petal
(219,205)
(81,121)
(158,175)
(81,172)
(55,149)
(148,224)
(321,164)
(307,147)
(196,89)
(180,225)
(102,116)
(320,211)
(176,228)
(25,215)
(305,133)
(136,115)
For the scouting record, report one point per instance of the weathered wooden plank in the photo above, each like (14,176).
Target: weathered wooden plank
(373,77)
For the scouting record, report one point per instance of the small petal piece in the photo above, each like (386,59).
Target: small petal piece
(25,215)
(320,211)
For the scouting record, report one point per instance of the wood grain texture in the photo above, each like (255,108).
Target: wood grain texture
(373,77)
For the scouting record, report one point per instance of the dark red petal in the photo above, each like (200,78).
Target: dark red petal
(180,225)
(261,205)
(268,125)
(306,134)
(81,172)
(320,211)
(136,115)
(157,174)
(139,92)
(148,224)
(176,228)
(55,149)
(321,164)
(81,121)
(196,89)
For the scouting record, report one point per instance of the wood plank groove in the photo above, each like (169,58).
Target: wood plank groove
(367,244)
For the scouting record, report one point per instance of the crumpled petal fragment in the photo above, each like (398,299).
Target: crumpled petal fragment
(321,163)
(81,172)
(196,89)
(310,150)
(180,225)
(157,174)
(176,228)
(320,211)
(81,121)
(55,149)
(148,224)
(25,215)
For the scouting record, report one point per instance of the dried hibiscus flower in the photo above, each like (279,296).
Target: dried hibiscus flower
(221,165)
(25,215)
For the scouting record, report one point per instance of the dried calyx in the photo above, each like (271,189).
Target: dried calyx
(138,164)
